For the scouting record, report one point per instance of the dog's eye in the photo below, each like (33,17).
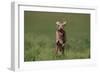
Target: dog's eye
(63,25)
(58,25)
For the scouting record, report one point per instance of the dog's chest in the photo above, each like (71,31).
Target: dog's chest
(61,34)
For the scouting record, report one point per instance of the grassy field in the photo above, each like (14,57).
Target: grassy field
(39,36)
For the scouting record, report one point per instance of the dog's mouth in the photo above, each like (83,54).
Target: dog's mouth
(61,30)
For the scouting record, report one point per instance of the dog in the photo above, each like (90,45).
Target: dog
(60,37)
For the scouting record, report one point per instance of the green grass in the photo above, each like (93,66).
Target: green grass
(39,36)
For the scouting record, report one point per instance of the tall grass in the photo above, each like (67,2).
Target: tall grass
(42,48)
(38,48)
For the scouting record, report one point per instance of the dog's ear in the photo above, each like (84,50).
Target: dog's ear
(57,22)
(64,22)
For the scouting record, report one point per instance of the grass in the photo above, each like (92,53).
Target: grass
(39,36)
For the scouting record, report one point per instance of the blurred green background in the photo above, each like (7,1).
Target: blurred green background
(39,35)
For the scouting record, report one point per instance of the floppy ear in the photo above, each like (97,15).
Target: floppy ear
(57,22)
(64,22)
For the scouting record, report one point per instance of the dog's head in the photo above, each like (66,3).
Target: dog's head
(60,24)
